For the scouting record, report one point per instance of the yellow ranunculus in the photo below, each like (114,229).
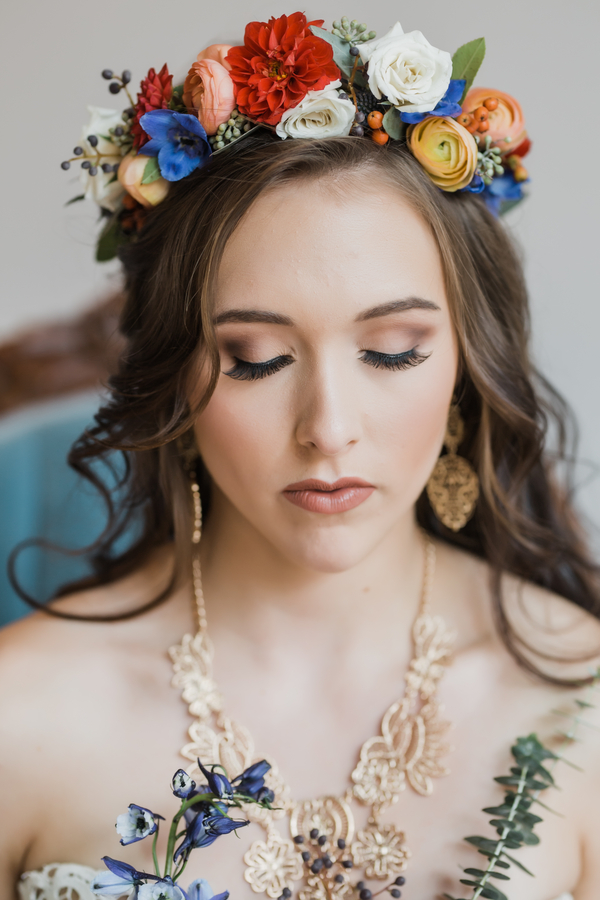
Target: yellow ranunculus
(446,150)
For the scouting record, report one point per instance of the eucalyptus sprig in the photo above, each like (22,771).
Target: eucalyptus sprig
(513,820)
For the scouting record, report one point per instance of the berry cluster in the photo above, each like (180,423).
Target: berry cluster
(332,865)
(476,122)
(230,131)
(352,32)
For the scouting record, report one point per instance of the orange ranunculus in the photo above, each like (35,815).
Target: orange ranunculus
(446,150)
(218,52)
(279,63)
(130,174)
(507,125)
(208,91)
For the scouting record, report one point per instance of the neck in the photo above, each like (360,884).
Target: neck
(255,594)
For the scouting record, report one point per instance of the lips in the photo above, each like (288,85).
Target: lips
(318,496)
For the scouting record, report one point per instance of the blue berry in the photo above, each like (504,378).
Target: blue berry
(357,131)
(400,880)
(359,117)
(119,132)
(93,170)
(106,168)
(78,151)
(92,140)
(395,893)
(86,164)
(114,87)
(354,51)
(65,165)
(115,168)
(107,74)
(126,76)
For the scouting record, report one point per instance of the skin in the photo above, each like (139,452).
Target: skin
(310,614)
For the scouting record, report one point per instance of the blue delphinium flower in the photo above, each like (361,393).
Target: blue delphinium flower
(178,140)
(449,105)
(476,186)
(504,190)
(205,828)
(200,889)
(218,784)
(136,824)
(121,877)
(251,782)
(182,785)
(163,889)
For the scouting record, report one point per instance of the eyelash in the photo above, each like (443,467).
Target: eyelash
(246,371)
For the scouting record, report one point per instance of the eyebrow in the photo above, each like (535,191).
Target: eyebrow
(273,318)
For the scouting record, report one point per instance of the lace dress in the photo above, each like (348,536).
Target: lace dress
(68,881)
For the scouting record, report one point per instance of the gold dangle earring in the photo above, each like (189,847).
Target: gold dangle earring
(453,486)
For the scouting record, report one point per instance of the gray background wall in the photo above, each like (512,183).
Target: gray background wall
(544,52)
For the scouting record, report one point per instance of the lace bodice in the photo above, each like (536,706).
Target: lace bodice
(68,881)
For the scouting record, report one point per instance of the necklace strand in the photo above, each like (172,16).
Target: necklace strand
(325,854)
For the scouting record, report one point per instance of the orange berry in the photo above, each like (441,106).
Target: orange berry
(491,103)
(375,119)
(520,173)
(481,114)
(483,127)
(380,137)
(472,127)
(465,119)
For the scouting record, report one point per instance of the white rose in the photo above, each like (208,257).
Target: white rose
(102,187)
(320,114)
(407,70)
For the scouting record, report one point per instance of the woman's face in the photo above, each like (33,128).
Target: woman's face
(338,363)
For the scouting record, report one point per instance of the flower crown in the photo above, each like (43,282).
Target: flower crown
(301,81)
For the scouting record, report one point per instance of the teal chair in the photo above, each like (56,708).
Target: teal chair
(40,496)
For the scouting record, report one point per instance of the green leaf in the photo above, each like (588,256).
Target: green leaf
(393,124)
(519,865)
(109,241)
(75,199)
(151,171)
(341,50)
(466,62)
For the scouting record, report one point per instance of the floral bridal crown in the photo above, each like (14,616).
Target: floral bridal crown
(301,81)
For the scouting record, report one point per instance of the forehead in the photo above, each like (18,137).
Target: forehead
(323,249)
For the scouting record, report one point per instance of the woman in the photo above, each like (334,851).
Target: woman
(308,324)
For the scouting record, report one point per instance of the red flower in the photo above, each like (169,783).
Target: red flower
(281,61)
(155,93)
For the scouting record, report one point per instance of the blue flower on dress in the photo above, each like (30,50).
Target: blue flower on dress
(121,877)
(182,785)
(136,824)
(217,783)
(251,782)
(163,889)
(204,830)
(449,105)
(200,889)
(178,140)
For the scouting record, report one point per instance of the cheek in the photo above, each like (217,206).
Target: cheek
(239,436)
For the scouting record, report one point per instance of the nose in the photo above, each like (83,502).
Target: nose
(329,415)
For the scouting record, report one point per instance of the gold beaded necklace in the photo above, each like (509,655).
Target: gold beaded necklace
(325,855)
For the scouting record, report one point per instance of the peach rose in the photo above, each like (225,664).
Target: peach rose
(446,150)
(130,174)
(218,52)
(507,124)
(208,91)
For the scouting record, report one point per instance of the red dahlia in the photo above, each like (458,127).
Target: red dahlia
(155,93)
(281,61)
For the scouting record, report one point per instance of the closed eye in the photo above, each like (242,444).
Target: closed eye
(247,371)
(394,361)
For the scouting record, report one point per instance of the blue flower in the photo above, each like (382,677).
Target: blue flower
(182,785)
(162,889)
(121,877)
(136,824)
(503,192)
(449,105)
(178,140)
(217,783)
(200,889)
(251,782)
(205,829)
(476,186)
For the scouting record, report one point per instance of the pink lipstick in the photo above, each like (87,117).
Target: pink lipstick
(318,496)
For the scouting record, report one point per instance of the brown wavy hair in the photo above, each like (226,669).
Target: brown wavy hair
(524,523)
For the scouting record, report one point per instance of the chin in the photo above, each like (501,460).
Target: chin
(327,553)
